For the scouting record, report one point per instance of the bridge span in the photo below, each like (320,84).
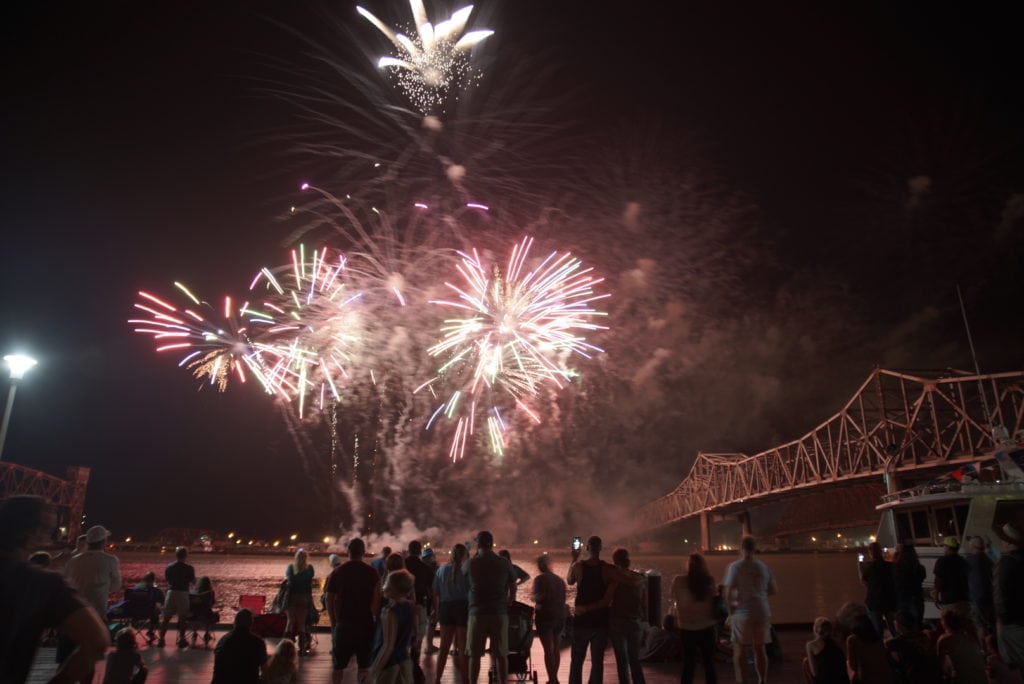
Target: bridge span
(897,425)
(67,495)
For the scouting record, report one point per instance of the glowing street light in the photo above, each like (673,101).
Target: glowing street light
(18,365)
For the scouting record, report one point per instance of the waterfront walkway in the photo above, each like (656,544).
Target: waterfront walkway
(172,665)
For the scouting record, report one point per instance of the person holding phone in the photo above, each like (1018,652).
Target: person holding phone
(590,624)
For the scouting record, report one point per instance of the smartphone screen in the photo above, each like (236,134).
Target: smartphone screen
(860,557)
(577,543)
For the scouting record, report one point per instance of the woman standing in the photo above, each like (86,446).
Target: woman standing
(549,601)
(395,632)
(908,576)
(451,606)
(300,599)
(695,595)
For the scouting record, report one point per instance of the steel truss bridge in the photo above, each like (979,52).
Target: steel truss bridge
(66,495)
(896,424)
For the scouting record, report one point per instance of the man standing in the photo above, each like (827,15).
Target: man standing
(1009,598)
(628,613)
(590,624)
(491,588)
(951,576)
(240,655)
(748,584)
(180,577)
(94,573)
(353,603)
(979,585)
(378,562)
(33,599)
(423,578)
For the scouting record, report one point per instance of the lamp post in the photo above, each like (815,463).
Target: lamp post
(18,364)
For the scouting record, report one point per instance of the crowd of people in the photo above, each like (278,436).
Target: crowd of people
(978,639)
(382,612)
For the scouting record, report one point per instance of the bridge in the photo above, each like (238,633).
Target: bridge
(66,495)
(897,425)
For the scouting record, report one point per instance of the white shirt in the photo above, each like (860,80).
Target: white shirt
(95,574)
(750,579)
(692,614)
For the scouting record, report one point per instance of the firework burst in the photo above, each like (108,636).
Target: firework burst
(214,342)
(434,59)
(514,333)
(307,327)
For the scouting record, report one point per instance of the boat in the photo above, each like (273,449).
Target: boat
(974,500)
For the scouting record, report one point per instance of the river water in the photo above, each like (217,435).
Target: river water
(810,584)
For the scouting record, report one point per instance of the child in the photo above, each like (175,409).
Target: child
(124,665)
(825,660)
(282,667)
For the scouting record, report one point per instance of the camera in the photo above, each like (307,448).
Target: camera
(577,543)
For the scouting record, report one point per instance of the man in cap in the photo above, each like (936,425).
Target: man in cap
(94,573)
(33,599)
(1009,597)
(951,576)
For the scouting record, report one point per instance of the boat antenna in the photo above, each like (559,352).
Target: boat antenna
(974,357)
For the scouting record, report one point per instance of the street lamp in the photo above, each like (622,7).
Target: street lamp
(18,364)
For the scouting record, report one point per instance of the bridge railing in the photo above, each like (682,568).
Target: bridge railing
(895,420)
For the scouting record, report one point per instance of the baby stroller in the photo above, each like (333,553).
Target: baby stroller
(520,642)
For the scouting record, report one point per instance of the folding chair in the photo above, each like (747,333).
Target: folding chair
(253,602)
(137,610)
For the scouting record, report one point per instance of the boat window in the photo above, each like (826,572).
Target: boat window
(904,532)
(945,523)
(1008,510)
(919,523)
(961,517)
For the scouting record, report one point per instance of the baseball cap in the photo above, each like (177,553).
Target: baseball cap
(951,542)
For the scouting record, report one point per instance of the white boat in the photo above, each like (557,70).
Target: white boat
(974,501)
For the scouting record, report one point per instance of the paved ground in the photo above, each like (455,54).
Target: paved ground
(187,666)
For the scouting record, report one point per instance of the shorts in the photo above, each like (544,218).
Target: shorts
(352,639)
(453,614)
(750,631)
(176,602)
(482,627)
(555,626)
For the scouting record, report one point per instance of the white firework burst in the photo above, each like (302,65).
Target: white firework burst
(434,59)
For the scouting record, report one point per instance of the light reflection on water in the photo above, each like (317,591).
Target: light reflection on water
(809,584)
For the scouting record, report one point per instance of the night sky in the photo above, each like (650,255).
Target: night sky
(141,147)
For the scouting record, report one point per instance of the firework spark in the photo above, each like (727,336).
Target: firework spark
(307,327)
(434,59)
(214,343)
(515,331)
